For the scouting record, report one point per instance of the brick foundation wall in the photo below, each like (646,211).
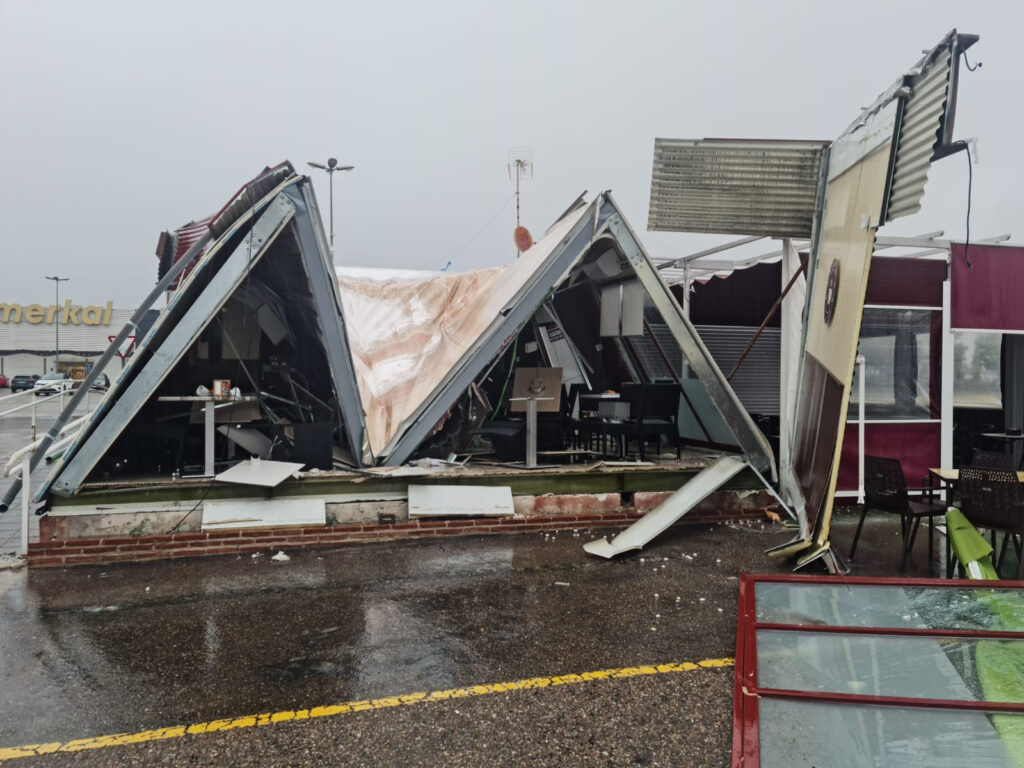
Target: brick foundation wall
(546,513)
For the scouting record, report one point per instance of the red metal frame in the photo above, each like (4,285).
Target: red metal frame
(746,693)
(822,629)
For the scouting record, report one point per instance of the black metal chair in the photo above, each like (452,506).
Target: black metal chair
(653,409)
(885,489)
(995,500)
(993,461)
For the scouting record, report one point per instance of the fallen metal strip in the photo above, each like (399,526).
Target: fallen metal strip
(661,518)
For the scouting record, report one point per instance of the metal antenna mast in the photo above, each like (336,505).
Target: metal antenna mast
(520,166)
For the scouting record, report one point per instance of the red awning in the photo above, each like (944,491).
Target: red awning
(987,290)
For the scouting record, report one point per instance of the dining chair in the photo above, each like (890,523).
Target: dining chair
(992,460)
(885,489)
(995,500)
(653,409)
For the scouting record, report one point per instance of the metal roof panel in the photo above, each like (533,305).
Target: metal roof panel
(745,186)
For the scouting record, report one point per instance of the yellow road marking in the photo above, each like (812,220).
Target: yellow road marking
(250,721)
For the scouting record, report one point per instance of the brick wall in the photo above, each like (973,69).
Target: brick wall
(547,514)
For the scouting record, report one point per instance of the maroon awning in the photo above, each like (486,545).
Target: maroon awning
(987,287)
(904,282)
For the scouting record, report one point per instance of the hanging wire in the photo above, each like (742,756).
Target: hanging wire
(968,64)
(472,237)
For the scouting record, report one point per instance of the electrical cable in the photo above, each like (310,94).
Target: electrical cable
(508,378)
(472,237)
(968,64)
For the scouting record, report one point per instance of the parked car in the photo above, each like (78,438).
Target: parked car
(3,381)
(102,383)
(22,383)
(52,383)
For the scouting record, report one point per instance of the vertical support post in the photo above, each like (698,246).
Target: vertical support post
(946,406)
(531,432)
(789,355)
(860,430)
(687,284)
(33,417)
(208,431)
(26,494)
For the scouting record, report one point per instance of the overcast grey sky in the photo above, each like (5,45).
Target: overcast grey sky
(126,117)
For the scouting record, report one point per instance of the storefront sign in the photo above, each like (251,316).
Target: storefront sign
(69,314)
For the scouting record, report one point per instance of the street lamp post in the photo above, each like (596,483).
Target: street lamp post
(56,319)
(331,167)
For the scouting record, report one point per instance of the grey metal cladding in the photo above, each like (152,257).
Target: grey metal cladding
(323,284)
(756,381)
(69,476)
(924,115)
(735,187)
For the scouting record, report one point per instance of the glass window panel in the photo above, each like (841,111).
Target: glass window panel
(861,605)
(957,669)
(809,733)
(896,345)
(977,361)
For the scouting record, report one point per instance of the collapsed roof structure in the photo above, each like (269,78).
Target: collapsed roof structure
(836,194)
(380,365)
(380,369)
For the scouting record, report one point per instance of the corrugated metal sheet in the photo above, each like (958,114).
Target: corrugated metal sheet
(923,116)
(736,187)
(172,246)
(757,380)
(650,357)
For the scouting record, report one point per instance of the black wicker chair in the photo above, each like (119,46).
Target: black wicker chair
(995,500)
(992,460)
(885,489)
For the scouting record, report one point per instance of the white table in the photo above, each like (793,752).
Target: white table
(208,422)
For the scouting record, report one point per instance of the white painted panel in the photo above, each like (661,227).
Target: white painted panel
(461,500)
(262,513)
(259,472)
(633,294)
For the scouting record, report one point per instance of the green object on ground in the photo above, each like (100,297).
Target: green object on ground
(999,664)
(969,546)
(1000,667)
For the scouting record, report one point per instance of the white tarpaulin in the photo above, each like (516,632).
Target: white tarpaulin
(407,331)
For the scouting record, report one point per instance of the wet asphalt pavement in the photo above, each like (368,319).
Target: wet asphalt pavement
(101,650)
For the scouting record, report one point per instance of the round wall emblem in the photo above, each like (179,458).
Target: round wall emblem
(831,291)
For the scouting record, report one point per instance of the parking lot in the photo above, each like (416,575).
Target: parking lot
(508,650)
(16,432)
